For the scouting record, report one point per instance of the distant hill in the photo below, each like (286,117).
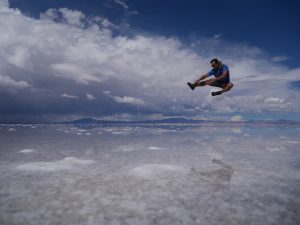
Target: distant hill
(183,121)
(94,121)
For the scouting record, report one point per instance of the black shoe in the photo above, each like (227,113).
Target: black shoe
(192,86)
(216,93)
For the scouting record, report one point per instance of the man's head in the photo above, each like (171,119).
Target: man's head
(214,63)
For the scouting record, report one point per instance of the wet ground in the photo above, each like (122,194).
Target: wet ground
(64,174)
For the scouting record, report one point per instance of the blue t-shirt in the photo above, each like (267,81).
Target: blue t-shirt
(219,72)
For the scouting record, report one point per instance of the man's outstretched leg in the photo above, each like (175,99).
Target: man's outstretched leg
(194,85)
(226,88)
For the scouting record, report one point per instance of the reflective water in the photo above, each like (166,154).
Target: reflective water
(58,174)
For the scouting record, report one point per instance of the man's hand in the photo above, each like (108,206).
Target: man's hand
(197,81)
(201,78)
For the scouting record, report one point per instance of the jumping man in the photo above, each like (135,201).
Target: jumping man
(221,80)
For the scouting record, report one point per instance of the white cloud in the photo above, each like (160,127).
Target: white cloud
(50,14)
(122,3)
(71,17)
(4,3)
(106,23)
(272,100)
(129,100)
(90,97)
(126,7)
(69,96)
(58,48)
(125,99)
(20,57)
(7,82)
(279,58)
(76,72)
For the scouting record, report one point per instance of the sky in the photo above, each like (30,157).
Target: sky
(131,59)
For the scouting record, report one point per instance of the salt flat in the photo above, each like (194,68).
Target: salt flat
(65,174)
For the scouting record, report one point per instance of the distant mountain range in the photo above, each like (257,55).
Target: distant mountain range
(162,121)
(183,121)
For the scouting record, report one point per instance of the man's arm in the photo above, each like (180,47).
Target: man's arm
(201,78)
(223,76)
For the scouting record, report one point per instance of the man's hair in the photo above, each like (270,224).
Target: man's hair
(215,60)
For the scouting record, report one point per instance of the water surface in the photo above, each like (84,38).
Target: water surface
(64,174)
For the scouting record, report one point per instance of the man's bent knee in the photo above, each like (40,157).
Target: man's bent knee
(228,86)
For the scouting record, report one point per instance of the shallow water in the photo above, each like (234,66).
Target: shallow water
(64,174)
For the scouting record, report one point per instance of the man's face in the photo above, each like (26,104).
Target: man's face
(214,65)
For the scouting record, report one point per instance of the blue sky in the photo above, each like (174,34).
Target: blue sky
(117,59)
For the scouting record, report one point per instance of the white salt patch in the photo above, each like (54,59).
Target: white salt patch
(11,129)
(27,150)
(155,170)
(155,148)
(293,142)
(82,130)
(79,133)
(128,148)
(127,129)
(117,132)
(88,134)
(274,148)
(64,164)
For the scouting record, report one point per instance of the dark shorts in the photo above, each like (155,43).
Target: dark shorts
(221,83)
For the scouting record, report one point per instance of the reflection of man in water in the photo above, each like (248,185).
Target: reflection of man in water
(219,179)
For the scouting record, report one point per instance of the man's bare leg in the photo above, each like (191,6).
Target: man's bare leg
(201,83)
(211,82)
(226,88)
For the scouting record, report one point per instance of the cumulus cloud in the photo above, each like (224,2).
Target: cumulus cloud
(7,82)
(4,3)
(20,57)
(66,51)
(69,96)
(279,58)
(90,97)
(125,99)
(71,17)
(129,100)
